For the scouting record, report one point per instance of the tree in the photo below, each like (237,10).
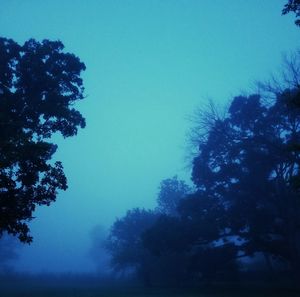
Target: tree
(171,191)
(39,83)
(195,241)
(125,243)
(247,164)
(98,252)
(293,6)
(8,252)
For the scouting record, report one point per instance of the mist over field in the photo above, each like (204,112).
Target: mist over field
(149,148)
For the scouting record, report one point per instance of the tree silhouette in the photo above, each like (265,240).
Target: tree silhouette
(125,242)
(248,165)
(246,202)
(128,245)
(293,6)
(98,252)
(171,191)
(9,246)
(190,240)
(39,83)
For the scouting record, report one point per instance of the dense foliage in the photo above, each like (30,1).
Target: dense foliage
(39,83)
(248,165)
(126,240)
(245,202)
(245,206)
(293,6)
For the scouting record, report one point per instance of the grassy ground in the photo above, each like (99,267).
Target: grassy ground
(81,286)
(137,292)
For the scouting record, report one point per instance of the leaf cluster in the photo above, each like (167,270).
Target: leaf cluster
(39,85)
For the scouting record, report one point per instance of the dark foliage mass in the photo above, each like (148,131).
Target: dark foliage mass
(39,83)
(293,6)
(242,215)
(245,202)
(171,191)
(125,242)
(127,238)
(248,165)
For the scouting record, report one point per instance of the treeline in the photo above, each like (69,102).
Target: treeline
(244,205)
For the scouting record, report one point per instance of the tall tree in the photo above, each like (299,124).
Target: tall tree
(247,164)
(39,84)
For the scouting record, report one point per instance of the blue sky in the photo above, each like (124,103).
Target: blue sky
(150,63)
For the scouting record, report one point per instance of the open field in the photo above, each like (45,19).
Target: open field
(85,291)
(68,285)
(73,292)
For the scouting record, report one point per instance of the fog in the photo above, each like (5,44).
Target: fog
(150,64)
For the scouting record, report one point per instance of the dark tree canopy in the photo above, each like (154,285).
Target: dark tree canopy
(171,191)
(128,238)
(245,203)
(39,83)
(248,165)
(293,6)
(125,242)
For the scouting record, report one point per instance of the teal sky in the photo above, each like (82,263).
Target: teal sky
(150,63)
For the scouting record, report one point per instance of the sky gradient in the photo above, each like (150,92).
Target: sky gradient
(150,63)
